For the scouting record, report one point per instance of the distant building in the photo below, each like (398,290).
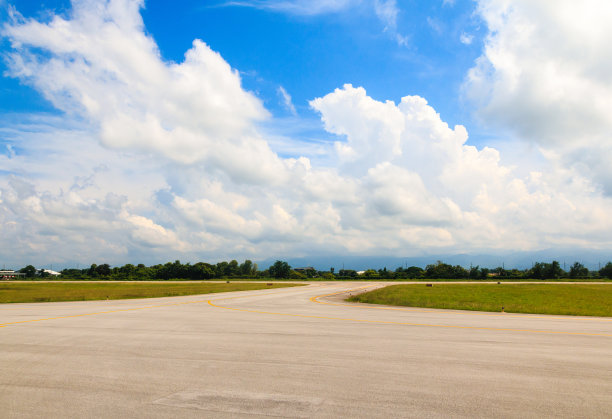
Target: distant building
(49,271)
(7,274)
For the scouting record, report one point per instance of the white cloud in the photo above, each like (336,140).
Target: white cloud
(435,24)
(298,7)
(409,135)
(154,235)
(286,100)
(546,76)
(466,39)
(466,192)
(192,112)
(386,11)
(159,161)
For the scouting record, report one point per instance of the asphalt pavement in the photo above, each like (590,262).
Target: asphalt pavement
(297,352)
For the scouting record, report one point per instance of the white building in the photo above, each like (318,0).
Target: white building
(49,271)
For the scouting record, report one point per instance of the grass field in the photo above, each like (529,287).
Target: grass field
(568,299)
(19,292)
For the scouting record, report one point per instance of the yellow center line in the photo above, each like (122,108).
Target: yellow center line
(120,310)
(101,312)
(498,329)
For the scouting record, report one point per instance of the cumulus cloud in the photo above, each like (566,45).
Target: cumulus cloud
(100,64)
(545,75)
(154,160)
(405,154)
(412,137)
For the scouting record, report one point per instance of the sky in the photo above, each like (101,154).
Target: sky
(137,131)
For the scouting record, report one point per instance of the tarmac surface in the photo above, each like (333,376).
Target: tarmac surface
(297,352)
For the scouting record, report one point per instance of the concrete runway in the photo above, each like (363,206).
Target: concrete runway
(286,353)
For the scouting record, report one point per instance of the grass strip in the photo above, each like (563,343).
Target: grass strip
(565,299)
(71,291)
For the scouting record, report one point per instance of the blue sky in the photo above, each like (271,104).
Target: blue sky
(310,55)
(207,130)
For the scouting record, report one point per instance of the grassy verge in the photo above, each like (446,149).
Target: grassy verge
(342,278)
(567,299)
(63,291)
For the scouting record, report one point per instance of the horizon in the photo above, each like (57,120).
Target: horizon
(516,261)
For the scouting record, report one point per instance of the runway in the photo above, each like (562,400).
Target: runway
(297,352)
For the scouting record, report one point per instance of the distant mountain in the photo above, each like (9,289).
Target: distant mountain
(520,260)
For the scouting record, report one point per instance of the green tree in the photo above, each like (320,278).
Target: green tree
(444,270)
(413,272)
(221,269)
(296,275)
(72,273)
(202,270)
(606,271)
(577,270)
(554,270)
(29,271)
(460,272)
(103,270)
(232,268)
(347,272)
(246,268)
(280,269)
(142,272)
(127,270)
(537,271)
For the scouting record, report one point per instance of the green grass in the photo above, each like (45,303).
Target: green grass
(19,292)
(567,299)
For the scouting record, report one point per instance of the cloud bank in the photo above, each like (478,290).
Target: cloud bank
(153,160)
(546,76)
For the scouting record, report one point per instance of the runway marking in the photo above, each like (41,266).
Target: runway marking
(120,310)
(458,311)
(100,312)
(498,329)
(210,302)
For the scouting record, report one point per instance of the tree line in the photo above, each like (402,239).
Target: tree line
(282,270)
